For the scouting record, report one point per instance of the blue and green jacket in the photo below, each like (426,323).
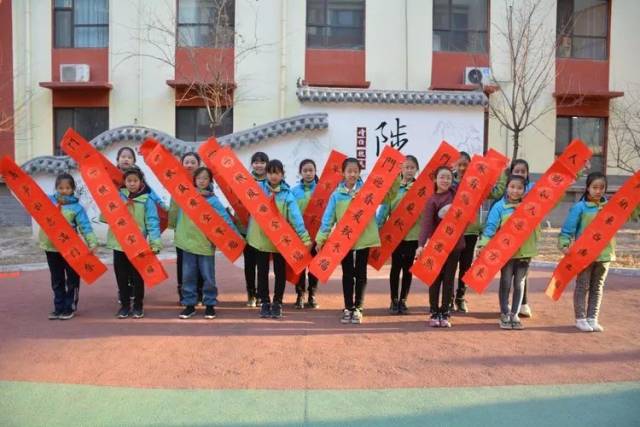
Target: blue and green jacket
(188,236)
(498,215)
(388,206)
(336,207)
(143,209)
(580,216)
(75,215)
(302,191)
(288,207)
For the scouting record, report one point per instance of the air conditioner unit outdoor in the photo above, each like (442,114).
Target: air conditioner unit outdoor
(74,72)
(477,75)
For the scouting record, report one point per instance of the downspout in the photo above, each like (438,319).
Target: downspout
(406,45)
(283,58)
(28,92)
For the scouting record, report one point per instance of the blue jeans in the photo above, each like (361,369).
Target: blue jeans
(65,283)
(194,265)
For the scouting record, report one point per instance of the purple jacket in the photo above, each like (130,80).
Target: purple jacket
(431,220)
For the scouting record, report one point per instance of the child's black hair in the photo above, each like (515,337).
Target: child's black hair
(199,171)
(259,156)
(308,162)
(413,159)
(435,175)
(190,154)
(349,160)
(590,178)
(466,155)
(275,166)
(520,162)
(65,177)
(133,170)
(133,153)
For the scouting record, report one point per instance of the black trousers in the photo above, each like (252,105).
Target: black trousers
(305,275)
(250,264)
(524,292)
(65,283)
(279,265)
(401,261)
(445,281)
(200,282)
(354,278)
(127,274)
(464,263)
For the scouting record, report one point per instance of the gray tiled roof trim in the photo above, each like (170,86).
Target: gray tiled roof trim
(58,164)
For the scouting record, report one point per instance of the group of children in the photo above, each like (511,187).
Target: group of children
(196,261)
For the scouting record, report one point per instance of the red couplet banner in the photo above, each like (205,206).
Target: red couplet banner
(480,175)
(230,170)
(122,224)
(411,206)
(180,185)
(359,213)
(535,205)
(596,236)
(80,150)
(52,222)
(329,180)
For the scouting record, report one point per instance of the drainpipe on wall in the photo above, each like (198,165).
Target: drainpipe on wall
(283,58)
(27,80)
(406,45)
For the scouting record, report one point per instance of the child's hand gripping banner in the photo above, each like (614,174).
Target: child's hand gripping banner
(232,173)
(80,150)
(122,224)
(481,174)
(537,203)
(360,211)
(329,180)
(241,212)
(180,185)
(596,236)
(52,222)
(411,206)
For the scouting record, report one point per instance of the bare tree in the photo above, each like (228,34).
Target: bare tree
(624,127)
(201,76)
(518,102)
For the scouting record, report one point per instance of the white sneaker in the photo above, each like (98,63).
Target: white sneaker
(346,316)
(597,327)
(583,325)
(356,317)
(525,310)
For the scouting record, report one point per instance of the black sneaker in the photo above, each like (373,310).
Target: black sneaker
(393,308)
(402,307)
(188,312)
(276,311)
(67,315)
(138,313)
(265,310)
(312,303)
(461,305)
(300,302)
(54,315)
(210,312)
(123,313)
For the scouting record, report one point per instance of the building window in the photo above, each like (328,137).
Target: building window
(583,26)
(88,122)
(193,124)
(81,23)
(460,25)
(206,23)
(335,24)
(591,130)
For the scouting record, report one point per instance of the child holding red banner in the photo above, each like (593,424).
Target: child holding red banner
(587,296)
(436,208)
(65,282)
(277,189)
(403,256)
(514,273)
(354,264)
(198,253)
(190,162)
(259,162)
(143,210)
(302,192)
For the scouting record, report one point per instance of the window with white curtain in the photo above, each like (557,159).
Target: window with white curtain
(81,23)
(583,27)
(460,25)
(335,24)
(206,23)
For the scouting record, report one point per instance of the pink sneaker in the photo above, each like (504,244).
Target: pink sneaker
(434,322)
(445,323)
